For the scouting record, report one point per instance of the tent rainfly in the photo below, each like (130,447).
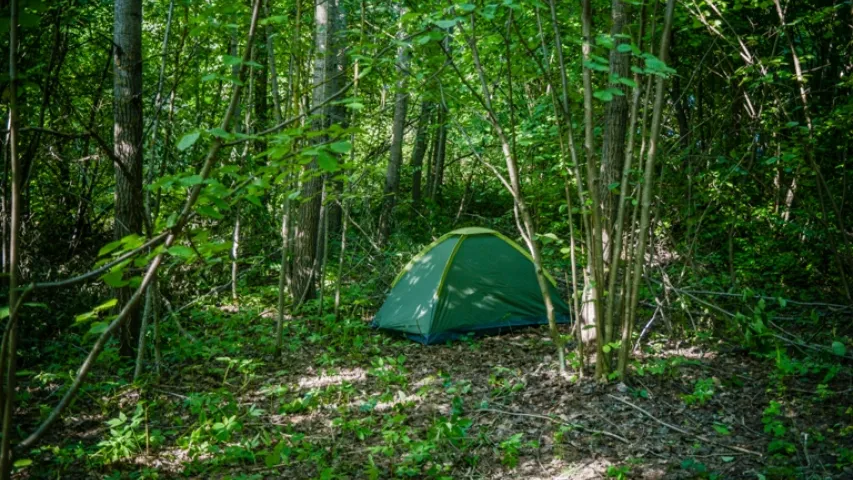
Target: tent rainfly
(471,280)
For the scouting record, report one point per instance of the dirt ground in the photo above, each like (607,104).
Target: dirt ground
(492,408)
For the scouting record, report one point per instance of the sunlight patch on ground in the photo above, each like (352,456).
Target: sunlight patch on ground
(585,470)
(349,375)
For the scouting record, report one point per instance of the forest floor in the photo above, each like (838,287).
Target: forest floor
(348,402)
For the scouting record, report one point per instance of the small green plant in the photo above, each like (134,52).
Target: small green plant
(698,469)
(703,390)
(128,436)
(619,472)
(776,428)
(505,382)
(510,449)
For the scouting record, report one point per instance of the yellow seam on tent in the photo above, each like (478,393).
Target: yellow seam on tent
(419,256)
(457,233)
(526,254)
(447,266)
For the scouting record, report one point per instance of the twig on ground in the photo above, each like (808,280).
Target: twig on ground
(681,430)
(558,421)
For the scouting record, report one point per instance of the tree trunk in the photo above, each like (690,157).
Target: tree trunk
(127,133)
(439,153)
(648,185)
(421,138)
(338,113)
(307,226)
(596,257)
(9,356)
(613,148)
(392,174)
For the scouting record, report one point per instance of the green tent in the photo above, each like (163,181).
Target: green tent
(472,280)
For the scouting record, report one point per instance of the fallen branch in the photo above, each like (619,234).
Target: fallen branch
(683,431)
(559,422)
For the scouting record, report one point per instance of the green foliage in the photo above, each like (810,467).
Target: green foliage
(703,390)
(128,436)
(620,472)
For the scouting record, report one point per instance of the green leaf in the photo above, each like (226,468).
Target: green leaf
(727,459)
(218,132)
(445,24)
(231,60)
(98,327)
(721,429)
(191,180)
(624,48)
(188,140)
(327,162)
(181,251)
(24,462)
(467,7)
(605,41)
(838,348)
(106,305)
(254,200)
(114,279)
(596,66)
(603,95)
(211,212)
(340,147)
(4,312)
(626,81)
(109,247)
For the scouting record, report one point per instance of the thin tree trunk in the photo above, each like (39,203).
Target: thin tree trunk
(283,278)
(586,318)
(235,251)
(529,229)
(618,227)
(338,113)
(421,139)
(392,174)
(276,98)
(439,154)
(340,281)
(307,227)
(128,138)
(158,106)
(140,349)
(10,337)
(324,237)
(596,257)
(613,145)
(648,181)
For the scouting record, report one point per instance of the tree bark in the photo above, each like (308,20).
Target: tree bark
(439,154)
(307,226)
(128,138)
(596,256)
(392,174)
(9,357)
(613,147)
(648,183)
(418,153)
